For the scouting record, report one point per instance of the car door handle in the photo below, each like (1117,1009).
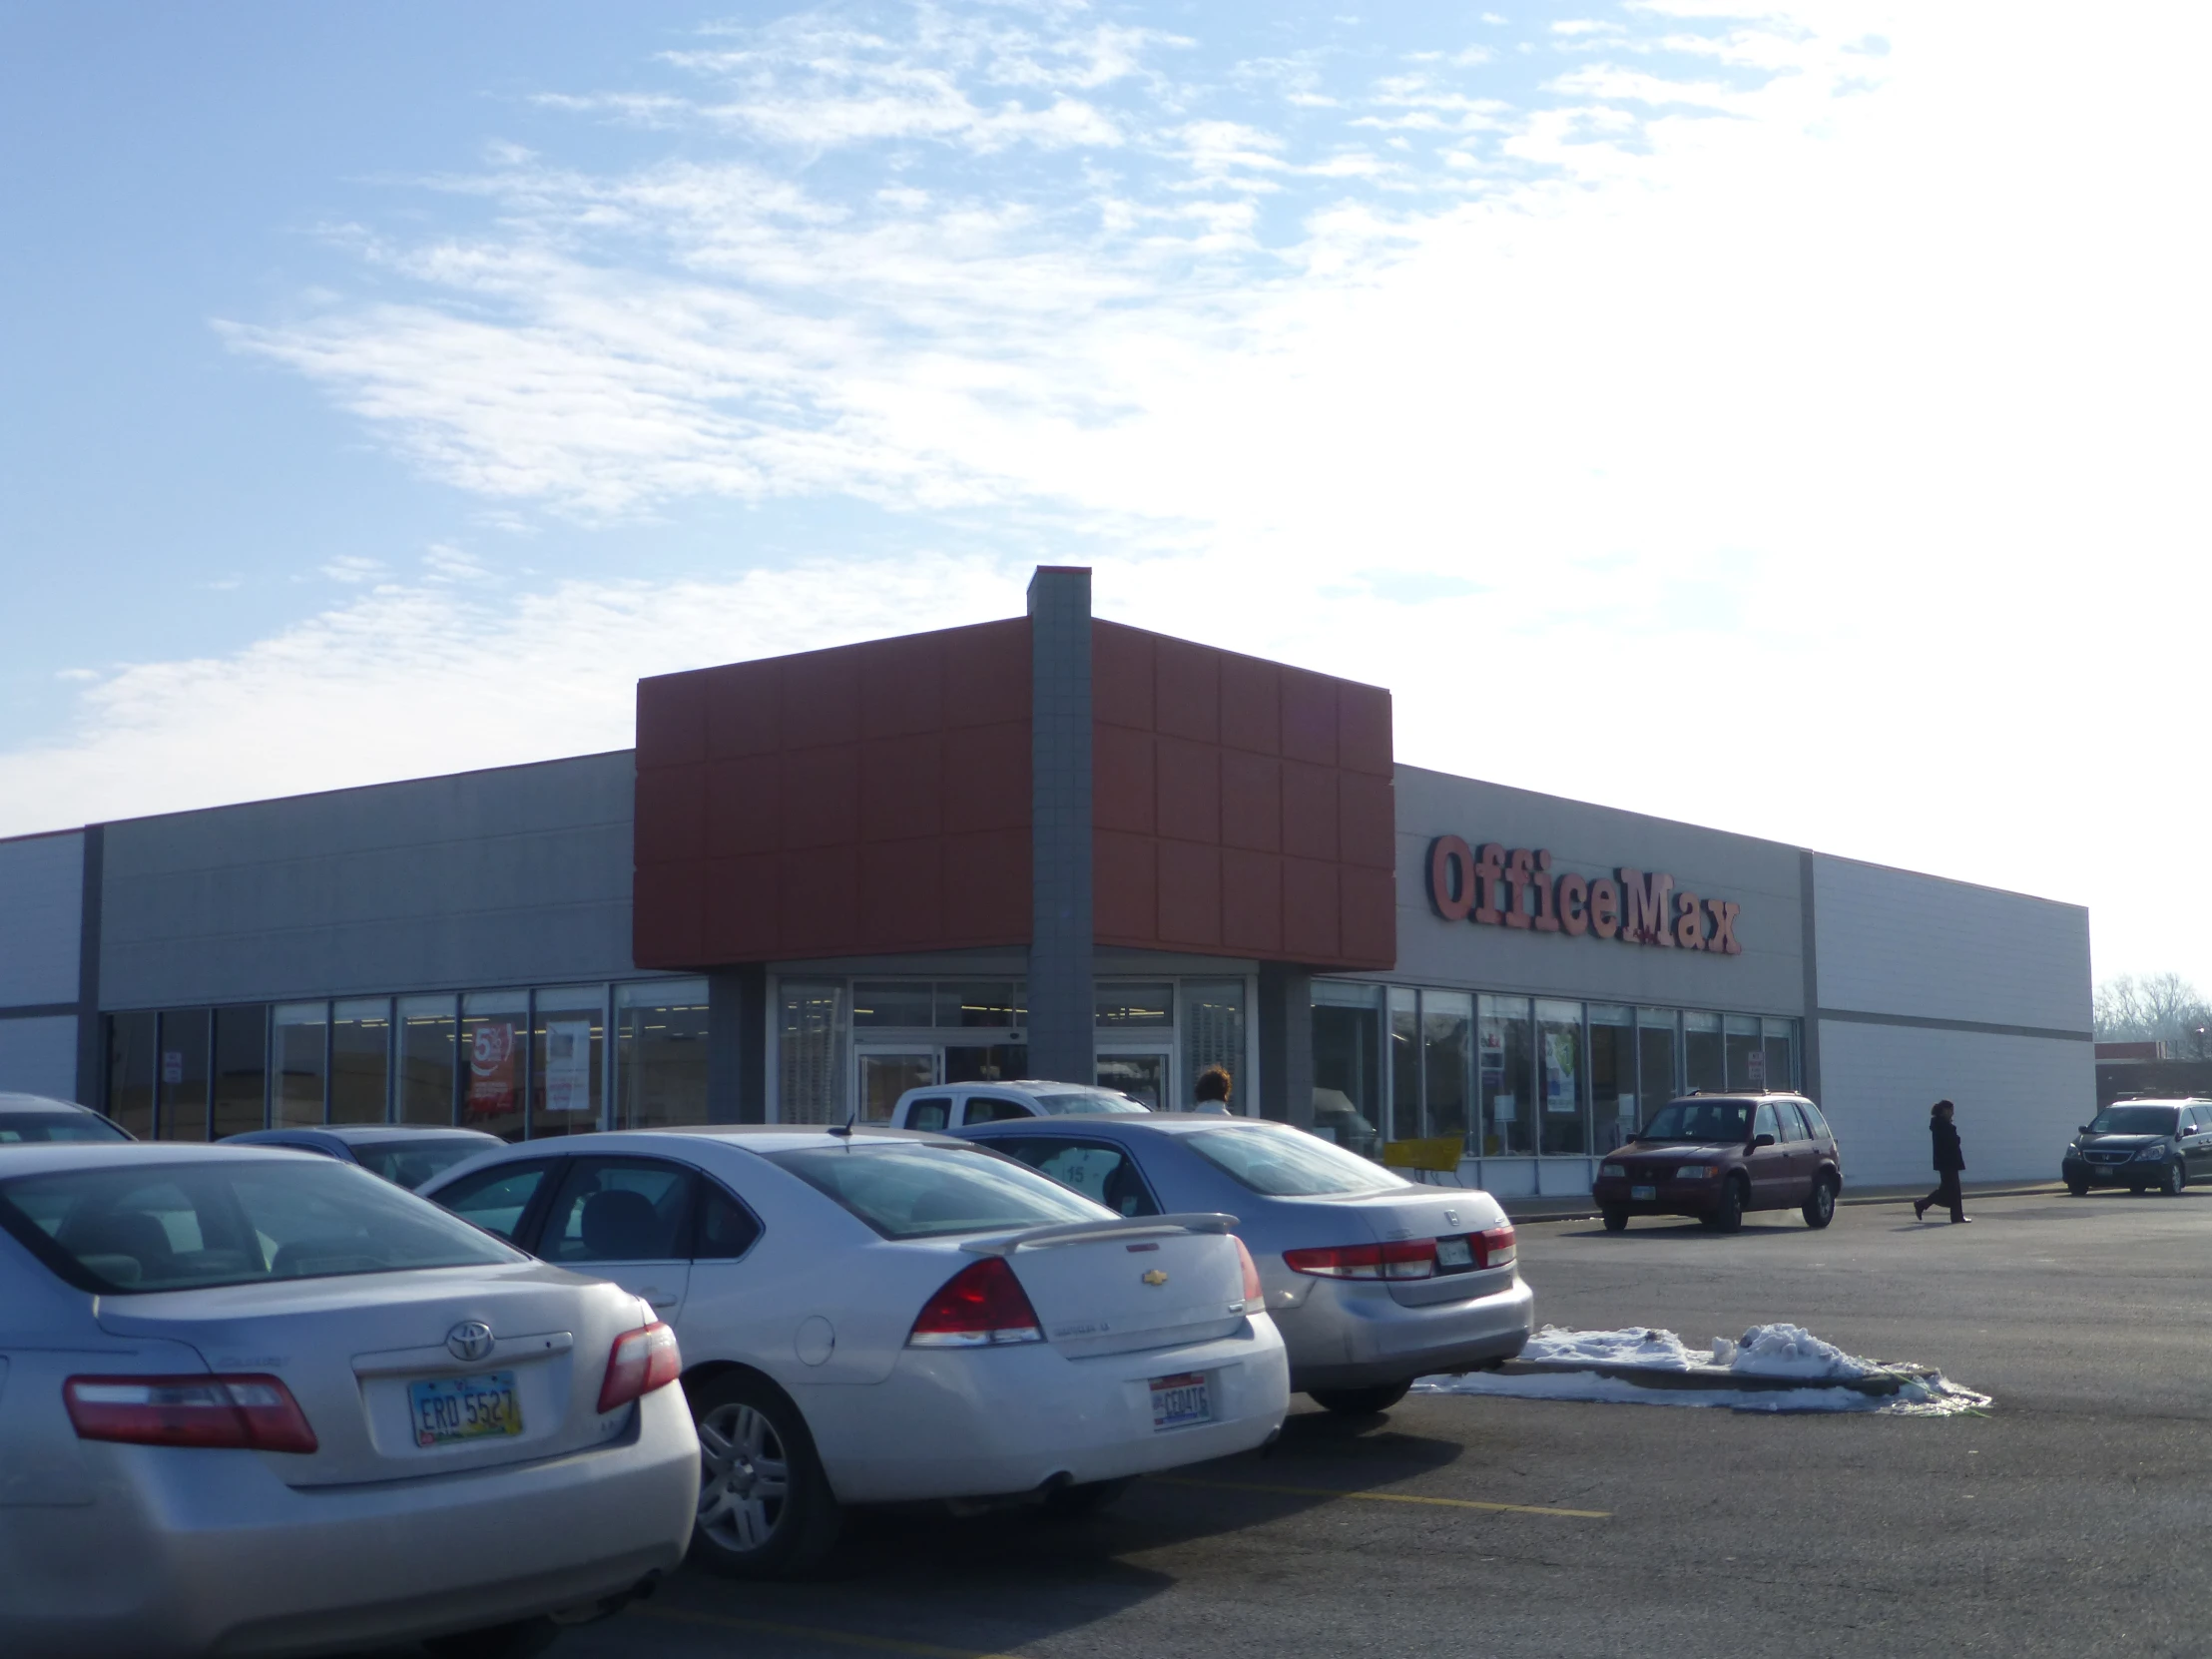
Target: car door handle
(660,1295)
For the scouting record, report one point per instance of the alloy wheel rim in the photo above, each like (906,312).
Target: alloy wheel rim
(743,1478)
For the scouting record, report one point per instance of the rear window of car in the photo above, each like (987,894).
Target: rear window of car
(409,1164)
(1287,1163)
(922,1192)
(153,1227)
(58,1126)
(1087,1100)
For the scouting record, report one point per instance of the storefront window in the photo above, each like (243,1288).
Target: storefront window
(1346,1066)
(1779,1041)
(885,1076)
(1403,1121)
(1135,1007)
(1747,1058)
(131,1072)
(360,1058)
(1001,1002)
(1612,1076)
(910,1004)
(493,1026)
(811,1043)
(567,1051)
(1703,1067)
(240,1068)
(1657,1073)
(184,1080)
(1559,1056)
(1508,1077)
(299,1055)
(1214,1035)
(661,1054)
(429,1046)
(1447,1044)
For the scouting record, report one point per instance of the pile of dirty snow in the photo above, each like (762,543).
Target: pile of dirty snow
(1588,1366)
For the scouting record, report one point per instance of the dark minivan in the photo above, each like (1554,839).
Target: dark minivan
(2142,1144)
(1715,1156)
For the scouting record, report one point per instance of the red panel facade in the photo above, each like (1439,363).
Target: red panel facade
(876,800)
(1242,808)
(868,798)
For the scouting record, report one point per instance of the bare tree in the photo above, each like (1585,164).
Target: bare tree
(2156,1007)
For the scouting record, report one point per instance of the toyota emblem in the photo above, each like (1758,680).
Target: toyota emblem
(470,1341)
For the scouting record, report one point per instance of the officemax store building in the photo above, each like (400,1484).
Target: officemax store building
(1046,847)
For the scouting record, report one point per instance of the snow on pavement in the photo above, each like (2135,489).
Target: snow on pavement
(1784,1352)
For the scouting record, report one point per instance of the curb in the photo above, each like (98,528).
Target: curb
(1581,1209)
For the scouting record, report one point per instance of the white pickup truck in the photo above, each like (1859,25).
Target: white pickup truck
(963,1105)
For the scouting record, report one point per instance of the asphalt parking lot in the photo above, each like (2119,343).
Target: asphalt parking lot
(2074,1518)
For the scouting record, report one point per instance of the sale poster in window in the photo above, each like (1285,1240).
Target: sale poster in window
(491,1069)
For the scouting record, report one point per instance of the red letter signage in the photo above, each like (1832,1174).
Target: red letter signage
(1496,886)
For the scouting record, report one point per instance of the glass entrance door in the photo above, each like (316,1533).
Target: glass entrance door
(886,1074)
(1144,1074)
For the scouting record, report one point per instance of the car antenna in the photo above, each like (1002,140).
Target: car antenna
(845,1130)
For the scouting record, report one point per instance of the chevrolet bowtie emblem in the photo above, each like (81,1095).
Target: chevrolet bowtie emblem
(1155,1277)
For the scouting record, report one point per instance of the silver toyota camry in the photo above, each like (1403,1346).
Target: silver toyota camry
(1374,1280)
(256,1402)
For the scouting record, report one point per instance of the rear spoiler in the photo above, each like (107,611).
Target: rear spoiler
(1127,1227)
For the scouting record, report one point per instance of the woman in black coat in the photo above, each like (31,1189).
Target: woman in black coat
(1950,1160)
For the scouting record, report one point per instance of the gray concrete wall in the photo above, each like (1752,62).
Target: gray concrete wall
(513,876)
(41,916)
(1761,875)
(39,1056)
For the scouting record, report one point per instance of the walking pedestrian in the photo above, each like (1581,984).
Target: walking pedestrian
(1950,1160)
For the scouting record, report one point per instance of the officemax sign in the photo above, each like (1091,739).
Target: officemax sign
(1518,888)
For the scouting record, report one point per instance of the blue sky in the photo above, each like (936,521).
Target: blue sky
(1779,415)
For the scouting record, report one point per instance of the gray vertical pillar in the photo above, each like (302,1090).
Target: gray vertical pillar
(1062,1014)
(736,1045)
(92,1037)
(1287,1043)
(1809,1063)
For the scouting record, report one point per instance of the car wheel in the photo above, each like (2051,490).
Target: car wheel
(1077,1502)
(519,1640)
(1820,1208)
(765,1506)
(1360,1402)
(2080,1189)
(2177,1176)
(1616,1221)
(1728,1215)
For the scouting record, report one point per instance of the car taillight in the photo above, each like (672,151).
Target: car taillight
(1494,1247)
(1256,1295)
(980,1305)
(253,1414)
(1399,1259)
(641,1361)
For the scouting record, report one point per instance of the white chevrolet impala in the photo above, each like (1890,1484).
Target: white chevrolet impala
(875,1316)
(260,1402)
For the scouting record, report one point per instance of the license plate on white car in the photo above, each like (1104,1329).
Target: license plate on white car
(1455,1253)
(1643,1191)
(448,1409)
(1179,1401)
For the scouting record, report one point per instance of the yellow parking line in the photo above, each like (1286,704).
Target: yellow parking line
(1385,1498)
(811,1633)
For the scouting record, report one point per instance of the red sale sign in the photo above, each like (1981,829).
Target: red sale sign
(491,1069)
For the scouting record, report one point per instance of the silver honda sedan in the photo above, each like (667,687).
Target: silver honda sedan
(260,1402)
(1371,1279)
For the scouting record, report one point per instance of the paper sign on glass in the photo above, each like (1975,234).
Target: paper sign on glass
(568,1065)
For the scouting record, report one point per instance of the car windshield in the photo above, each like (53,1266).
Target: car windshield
(1289,1163)
(409,1164)
(1088,1100)
(2136,1120)
(906,1191)
(172,1227)
(1700,1120)
(58,1126)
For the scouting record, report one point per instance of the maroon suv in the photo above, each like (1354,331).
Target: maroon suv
(1714,1156)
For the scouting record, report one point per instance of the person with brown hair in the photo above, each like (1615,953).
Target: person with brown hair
(1950,1160)
(1212,1091)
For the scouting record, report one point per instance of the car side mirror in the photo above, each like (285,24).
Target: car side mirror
(2083,1130)
(1759,1141)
